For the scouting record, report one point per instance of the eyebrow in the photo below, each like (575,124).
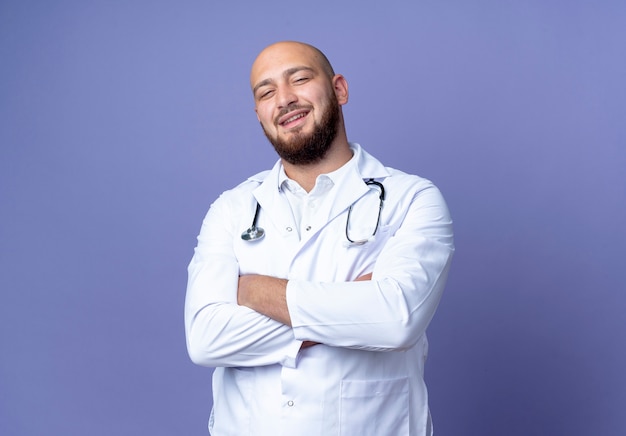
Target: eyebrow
(287,73)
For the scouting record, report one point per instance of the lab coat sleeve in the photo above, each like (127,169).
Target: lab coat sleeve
(390,312)
(219,332)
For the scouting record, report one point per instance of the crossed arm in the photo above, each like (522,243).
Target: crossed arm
(268,295)
(234,320)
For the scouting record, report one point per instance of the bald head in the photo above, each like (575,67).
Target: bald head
(284,52)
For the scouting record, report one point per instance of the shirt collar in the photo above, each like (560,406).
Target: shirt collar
(324,182)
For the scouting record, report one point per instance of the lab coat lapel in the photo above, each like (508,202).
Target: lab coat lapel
(275,206)
(341,197)
(352,186)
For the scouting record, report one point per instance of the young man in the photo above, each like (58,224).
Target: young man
(315,315)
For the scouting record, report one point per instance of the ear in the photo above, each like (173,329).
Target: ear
(340,86)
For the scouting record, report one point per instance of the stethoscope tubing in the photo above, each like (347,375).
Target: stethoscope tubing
(381,197)
(255,233)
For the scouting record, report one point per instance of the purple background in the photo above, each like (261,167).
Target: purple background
(121,121)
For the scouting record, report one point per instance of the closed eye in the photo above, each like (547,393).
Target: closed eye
(264,94)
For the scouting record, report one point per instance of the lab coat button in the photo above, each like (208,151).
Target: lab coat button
(290,403)
(288,229)
(308,228)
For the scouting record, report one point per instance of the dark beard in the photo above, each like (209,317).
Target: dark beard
(304,149)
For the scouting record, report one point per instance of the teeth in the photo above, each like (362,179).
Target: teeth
(295,117)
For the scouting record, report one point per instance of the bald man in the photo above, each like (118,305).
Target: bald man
(313,283)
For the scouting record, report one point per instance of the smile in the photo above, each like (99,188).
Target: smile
(295,117)
(288,119)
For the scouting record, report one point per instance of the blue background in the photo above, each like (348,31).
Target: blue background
(121,121)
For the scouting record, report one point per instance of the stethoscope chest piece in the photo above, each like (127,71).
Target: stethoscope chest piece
(254,233)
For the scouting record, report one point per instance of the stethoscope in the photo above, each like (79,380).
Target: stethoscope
(255,233)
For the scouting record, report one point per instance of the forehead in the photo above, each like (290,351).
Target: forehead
(275,60)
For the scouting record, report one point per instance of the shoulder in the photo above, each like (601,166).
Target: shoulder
(392,178)
(244,190)
(370,167)
(412,190)
(401,178)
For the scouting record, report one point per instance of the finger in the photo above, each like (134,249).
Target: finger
(364,277)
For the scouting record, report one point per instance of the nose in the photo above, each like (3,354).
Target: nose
(285,96)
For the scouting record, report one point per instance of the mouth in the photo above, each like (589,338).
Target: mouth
(293,119)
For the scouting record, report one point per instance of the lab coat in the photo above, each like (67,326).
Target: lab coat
(366,375)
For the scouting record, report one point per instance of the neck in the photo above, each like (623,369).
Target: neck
(336,157)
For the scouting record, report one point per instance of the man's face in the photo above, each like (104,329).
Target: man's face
(295,103)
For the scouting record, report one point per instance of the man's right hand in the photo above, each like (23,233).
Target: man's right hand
(364,277)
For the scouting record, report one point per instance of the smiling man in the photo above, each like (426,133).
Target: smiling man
(315,316)
(297,100)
